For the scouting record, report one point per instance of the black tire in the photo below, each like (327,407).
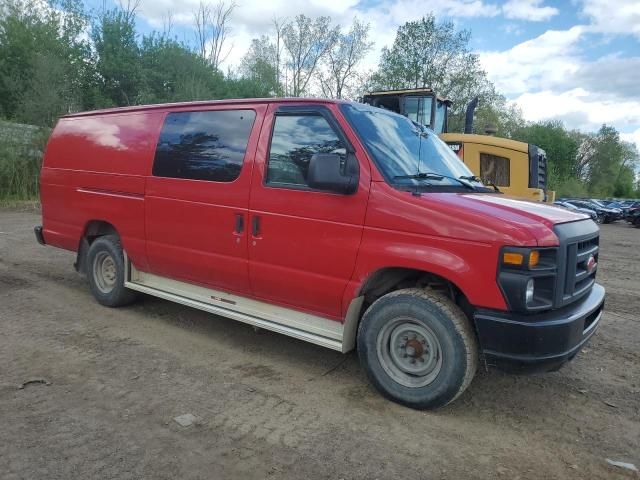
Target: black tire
(105,255)
(435,319)
(607,219)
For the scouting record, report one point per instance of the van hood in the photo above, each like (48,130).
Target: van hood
(520,220)
(481,217)
(549,215)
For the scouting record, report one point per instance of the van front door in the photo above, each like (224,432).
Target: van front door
(302,242)
(197,197)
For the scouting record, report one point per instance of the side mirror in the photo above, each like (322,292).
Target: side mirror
(327,171)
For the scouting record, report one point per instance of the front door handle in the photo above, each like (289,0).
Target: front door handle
(239,223)
(255,226)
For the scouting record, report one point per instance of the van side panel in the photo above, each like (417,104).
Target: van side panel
(94,169)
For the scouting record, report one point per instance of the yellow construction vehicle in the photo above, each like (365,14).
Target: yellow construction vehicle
(516,168)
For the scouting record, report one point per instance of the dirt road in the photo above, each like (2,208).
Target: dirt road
(268,406)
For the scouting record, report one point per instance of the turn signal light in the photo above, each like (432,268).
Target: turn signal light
(534,258)
(512,258)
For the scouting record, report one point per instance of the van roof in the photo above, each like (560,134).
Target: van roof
(232,101)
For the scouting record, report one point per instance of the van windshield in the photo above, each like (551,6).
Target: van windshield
(405,152)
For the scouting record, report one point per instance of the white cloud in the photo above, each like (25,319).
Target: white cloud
(512,29)
(549,78)
(535,64)
(633,137)
(611,75)
(531,10)
(613,17)
(580,109)
(401,11)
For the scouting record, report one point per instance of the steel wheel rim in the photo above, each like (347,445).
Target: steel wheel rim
(104,272)
(409,352)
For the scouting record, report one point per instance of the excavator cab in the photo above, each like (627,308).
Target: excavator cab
(421,105)
(516,168)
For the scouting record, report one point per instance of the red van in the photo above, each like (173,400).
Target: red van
(333,222)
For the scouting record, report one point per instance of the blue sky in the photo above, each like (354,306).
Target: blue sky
(574,60)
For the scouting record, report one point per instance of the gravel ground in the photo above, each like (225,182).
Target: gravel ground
(267,406)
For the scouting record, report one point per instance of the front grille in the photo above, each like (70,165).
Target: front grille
(579,241)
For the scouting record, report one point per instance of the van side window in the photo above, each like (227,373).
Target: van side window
(203,145)
(495,169)
(295,139)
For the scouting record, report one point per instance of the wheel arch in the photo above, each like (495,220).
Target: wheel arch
(92,230)
(385,280)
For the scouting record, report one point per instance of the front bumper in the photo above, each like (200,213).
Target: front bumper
(539,342)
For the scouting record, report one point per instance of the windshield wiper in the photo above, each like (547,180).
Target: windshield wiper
(435,176)
(474,178)
(471,178)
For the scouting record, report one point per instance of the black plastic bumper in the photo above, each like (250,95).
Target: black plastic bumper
(39,237)
(540,342)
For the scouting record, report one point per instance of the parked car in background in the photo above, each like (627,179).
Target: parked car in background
(632,213)
(630,208)
(587,211)
(608,215)
(615,204)
(633,217)
(631,204)
(617,211)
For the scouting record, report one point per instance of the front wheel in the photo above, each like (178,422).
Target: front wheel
(418,348)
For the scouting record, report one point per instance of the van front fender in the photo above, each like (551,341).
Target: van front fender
(470,266)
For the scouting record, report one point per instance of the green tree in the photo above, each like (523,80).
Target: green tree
(117,60)
(306,41)
(260,66)
(42,59)
(507,119)
(340,66)
(560,146)
(171,72)
(624,185)
(606,161)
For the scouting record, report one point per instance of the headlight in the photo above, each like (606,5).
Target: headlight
(527,276)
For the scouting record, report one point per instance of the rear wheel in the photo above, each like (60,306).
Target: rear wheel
(105,269)
(418,348)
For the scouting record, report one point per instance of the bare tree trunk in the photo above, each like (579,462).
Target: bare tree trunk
(278,24)
(129,8)
(201,20)
(212,31)
(220,31)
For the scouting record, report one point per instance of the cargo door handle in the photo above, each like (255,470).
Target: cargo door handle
(255,226)
(239,223)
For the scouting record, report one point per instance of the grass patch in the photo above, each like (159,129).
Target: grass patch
(31,205)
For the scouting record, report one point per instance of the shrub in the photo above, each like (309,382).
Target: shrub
(20,160)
